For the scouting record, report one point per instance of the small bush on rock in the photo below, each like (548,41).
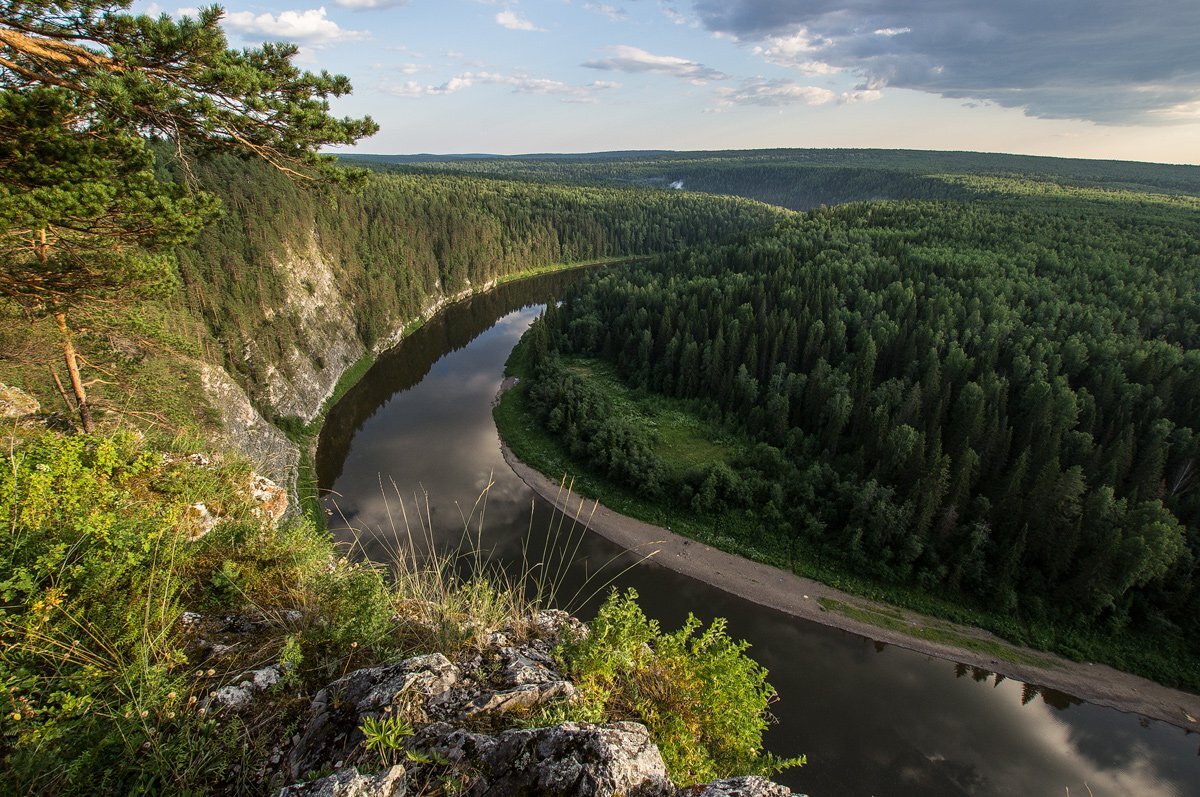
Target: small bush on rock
(702,698)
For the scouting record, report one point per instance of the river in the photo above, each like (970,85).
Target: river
(873,719)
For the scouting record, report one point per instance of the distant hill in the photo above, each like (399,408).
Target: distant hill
(801,179)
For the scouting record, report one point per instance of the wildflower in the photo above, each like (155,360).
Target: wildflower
(16,715)
(203,711)
(170,715)
(170,695)
(143,713)
(353,645)
(191,700)
(211,672)
(199,673)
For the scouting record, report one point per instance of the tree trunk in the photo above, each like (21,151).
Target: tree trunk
(85,412)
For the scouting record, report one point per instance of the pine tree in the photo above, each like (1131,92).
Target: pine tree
(83,84)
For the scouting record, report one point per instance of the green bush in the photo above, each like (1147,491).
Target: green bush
(702,698)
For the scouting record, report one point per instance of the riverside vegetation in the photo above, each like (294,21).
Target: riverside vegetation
(985,411)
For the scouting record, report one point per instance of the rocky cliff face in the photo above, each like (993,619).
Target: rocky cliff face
(299,382)
(244,429)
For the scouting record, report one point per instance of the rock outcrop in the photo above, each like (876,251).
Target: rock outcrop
(349,783)
(16,403)
(455,717)
(244,429)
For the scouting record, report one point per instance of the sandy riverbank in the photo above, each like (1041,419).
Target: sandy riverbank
(787,592)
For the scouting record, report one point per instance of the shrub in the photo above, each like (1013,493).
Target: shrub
(702,698)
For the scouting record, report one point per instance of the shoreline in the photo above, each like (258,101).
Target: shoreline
(800,597)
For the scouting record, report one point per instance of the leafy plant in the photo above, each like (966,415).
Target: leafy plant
(703,699)
(385,736)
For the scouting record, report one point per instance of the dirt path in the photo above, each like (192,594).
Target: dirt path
(802,597)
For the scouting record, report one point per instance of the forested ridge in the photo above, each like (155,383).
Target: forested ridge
(405,240)
(801,179)
(998,400)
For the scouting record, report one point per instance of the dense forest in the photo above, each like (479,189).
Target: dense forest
(405,240)
(804,179)
(998,400)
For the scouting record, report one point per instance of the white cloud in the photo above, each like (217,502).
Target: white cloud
(672,13)
(369,5)
(774,93)
(635,59)
(511,20)
(310,27)
(796,51)
(520,83)
(612,12)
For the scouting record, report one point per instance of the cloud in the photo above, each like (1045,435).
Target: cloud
(612,12)
(774,93)
(797,51)
(520,83)
(369,5)
(674,14)
(1107,62)
(633,59)
(511,20)
(309,27)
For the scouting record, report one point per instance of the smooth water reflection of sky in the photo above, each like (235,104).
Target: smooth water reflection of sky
(873,719)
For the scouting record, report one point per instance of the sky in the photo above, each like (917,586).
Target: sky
(1076,78)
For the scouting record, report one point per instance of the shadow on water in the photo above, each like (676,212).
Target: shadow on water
(873,719)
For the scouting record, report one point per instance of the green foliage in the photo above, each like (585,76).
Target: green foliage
(702,698)
(385,737)
(95,678)
(949,397)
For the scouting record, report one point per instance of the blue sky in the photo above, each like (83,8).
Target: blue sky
(1082,78)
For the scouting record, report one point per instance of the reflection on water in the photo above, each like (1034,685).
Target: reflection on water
(873,719)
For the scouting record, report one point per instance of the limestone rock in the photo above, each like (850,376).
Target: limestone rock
(16,403)
(271,498)
(737,787)
(349,783)
(238,696)
(199,521)
(413,687)
(245,429)
(576,759)
(525,696)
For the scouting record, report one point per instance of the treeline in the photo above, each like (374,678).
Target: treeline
(999,399)
(804,179)
(406,240)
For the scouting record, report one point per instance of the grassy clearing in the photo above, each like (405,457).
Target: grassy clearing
(893,620)
(683,440)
